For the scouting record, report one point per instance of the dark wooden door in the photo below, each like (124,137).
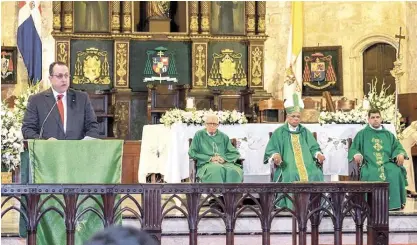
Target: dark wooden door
(378,60)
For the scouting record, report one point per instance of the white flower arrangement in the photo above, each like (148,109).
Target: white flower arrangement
(198,117)
(11,133)
(383,102)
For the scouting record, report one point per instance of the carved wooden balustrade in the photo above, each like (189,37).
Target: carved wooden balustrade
(337,200)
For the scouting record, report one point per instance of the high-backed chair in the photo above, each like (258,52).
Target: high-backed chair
(193,163)
(344,104)
(271,105)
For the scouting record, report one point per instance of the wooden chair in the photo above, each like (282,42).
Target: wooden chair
(344,104)
(193,163)
(271,105)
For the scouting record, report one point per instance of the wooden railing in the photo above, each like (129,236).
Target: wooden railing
(338,200)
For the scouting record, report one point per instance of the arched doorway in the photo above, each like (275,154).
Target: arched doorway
(378,60)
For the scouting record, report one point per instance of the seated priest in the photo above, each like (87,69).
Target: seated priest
(381,157)
(216,156)
(294,150)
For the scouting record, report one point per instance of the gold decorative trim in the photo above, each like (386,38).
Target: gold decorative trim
(200,65)
(63,52)
(250,17)
(205,16)
(260,12)
(122,64)
(256,65)
(127,16)
(298,157)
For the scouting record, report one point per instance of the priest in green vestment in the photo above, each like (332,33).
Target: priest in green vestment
(216,156)
(381,157)
(293,150)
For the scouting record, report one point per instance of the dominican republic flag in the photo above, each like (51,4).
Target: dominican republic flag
(29,38)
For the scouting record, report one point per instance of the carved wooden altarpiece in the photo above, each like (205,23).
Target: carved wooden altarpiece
(226,70)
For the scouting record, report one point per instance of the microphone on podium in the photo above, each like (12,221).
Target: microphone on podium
(44,121)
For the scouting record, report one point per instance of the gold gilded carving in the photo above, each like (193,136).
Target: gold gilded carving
(205,20)
(256,68)
(92,67)
(200,64)
(194,24)
(158,9)
(121,64)
(115,16)
(57,22)
(68,19)
(261,10)
(193,7)
(62,52)
(250,28)
(121,119)
(250,17)
(115,22)
(127,18)
(227,69)
(57,15)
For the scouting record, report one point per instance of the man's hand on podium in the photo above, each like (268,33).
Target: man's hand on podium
(52,138)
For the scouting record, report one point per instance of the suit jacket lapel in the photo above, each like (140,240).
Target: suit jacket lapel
(70,109)
(50,100)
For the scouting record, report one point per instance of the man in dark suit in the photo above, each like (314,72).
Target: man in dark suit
(59,112)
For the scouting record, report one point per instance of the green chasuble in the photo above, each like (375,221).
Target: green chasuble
(379,148)
(204,146)
(297,150)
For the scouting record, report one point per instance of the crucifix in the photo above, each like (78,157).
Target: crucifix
(399,42)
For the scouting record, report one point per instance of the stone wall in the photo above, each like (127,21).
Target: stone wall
(9,22)
(353,25)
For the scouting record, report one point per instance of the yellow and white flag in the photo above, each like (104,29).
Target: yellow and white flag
(293,68)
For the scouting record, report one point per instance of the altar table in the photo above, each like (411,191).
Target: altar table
(165,149)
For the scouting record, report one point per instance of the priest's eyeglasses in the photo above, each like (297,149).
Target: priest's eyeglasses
(60,76)
(212,124)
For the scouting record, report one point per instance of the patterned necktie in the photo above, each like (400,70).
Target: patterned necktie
(60,107)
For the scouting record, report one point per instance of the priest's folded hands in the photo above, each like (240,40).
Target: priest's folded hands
(217,159)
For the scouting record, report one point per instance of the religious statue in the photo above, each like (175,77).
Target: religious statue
(158,9)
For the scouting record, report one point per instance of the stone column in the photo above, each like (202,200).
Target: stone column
(205,16)
(250,17)
(193,8)
(68,18)
(260,13)
(115,22)
(127,16)
(56,8)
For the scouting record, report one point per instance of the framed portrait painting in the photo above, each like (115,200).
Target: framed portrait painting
(8,65)
(322,70)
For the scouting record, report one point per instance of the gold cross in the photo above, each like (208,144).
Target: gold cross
(399,42)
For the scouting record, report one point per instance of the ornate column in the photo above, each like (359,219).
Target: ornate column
(250,17)
(205,16)
(115,22)
(56,8)
(193,8)
(127,16)
(260,13)
(68,18)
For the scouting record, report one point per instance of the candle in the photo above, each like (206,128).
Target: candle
(190,103)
